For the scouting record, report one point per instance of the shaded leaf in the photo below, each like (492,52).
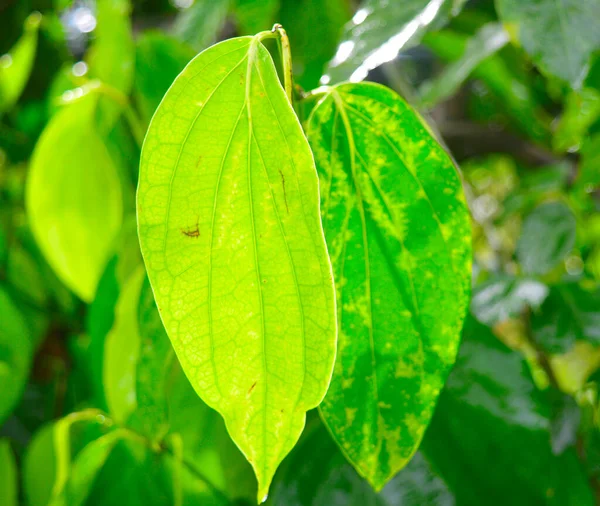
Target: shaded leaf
(159,60)
(380,29)
(9,485)
(316,474)
(15,354)
(73,198)
(559,36)
(501,298)
(16,65)
(314,28)
(569,314)
(232,241)
(487,41)
(547,237)
(255,15)
(491,434)
(398,233)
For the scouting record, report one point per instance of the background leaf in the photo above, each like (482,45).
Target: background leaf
(9,487)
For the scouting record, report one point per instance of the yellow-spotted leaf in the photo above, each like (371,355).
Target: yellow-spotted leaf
(73,197)
(397,229)
(229,224)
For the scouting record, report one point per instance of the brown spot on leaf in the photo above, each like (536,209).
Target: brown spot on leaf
(252,388)
(284,193)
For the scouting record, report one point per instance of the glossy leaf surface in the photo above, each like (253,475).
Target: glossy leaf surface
(233,244)
(15,354)
(491,434)
(380,29)
(16,65)
(559,36)
(398,232)
(547,236)
(73,199)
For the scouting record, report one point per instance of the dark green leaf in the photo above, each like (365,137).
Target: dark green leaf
(398,233)
(569,314)
(547,237)
(159,60)
(9,485)
(559,36)
(255,15)
(490,438)
(15,354)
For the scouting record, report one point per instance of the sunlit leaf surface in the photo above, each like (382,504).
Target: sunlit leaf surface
(398,232)
(229,225)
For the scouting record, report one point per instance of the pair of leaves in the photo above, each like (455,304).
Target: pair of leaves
(233,245)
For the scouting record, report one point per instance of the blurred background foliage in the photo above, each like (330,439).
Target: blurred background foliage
(95,410)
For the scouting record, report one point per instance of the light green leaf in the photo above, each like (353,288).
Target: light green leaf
(16,65)
(15,354)
(547,236)
(380,30)
(560,36)
(582,110)
(398,232)
(9,485)
(199,24)
(121,351)
(487,41)
(73,198)
(159,60)
(229,224)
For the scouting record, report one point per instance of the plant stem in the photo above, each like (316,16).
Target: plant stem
(286,59)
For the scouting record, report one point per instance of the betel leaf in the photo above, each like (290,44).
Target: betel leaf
(16,65)
(15,354)
(398,233)
(8,475)
(488,40)
(569,314)
(73,198)
(559,36)
(547,237)
(380,29)
(229,225)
